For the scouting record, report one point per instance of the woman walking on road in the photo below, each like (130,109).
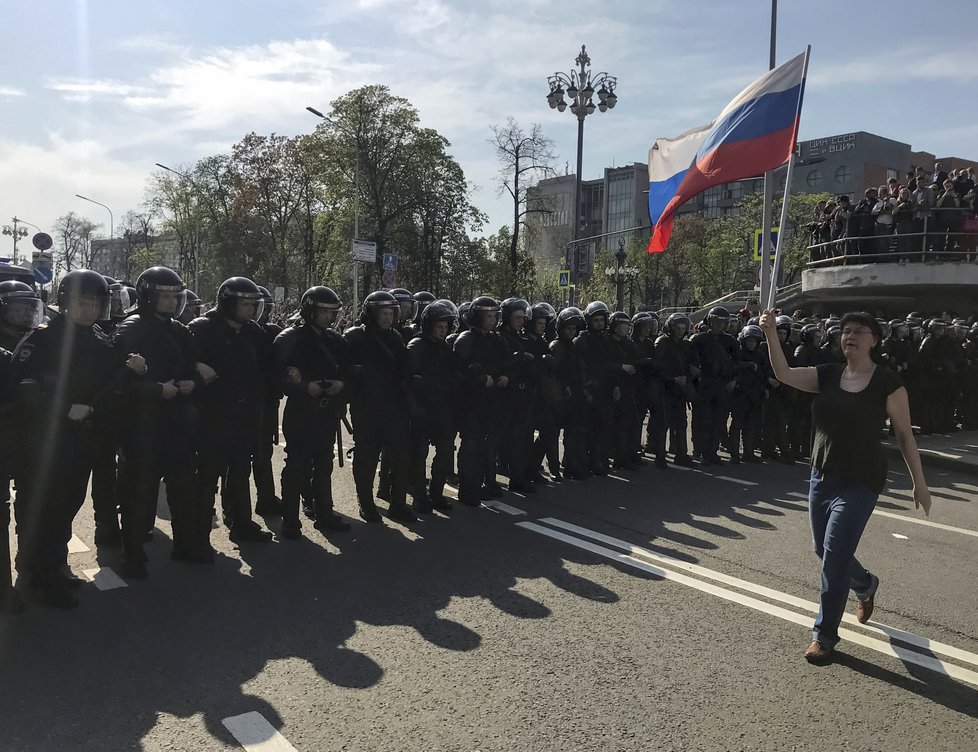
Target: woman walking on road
(848,464)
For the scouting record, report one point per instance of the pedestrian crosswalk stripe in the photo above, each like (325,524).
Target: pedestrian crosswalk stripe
(256,734)
(105,579)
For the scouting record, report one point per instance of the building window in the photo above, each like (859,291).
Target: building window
(814,178)
(843,175)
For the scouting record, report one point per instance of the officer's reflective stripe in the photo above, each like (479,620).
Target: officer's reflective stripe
(256,734)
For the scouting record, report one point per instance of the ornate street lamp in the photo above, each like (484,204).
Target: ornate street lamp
(581,86)
(16,231)
(619,273)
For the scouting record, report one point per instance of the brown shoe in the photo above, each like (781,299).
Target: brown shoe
(864,609)
(818,654)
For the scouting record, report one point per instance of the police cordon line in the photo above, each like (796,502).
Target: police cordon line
(131,386)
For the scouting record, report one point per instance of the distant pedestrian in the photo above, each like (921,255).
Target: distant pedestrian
(848,464)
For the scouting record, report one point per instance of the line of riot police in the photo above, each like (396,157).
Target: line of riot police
(134,386)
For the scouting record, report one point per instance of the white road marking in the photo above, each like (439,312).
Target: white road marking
(926,523)
(899,537)
(797,495)
(903,654)
(741,481)
(500,506)
(256,734)
(105,579)
(909,637)
(77,546)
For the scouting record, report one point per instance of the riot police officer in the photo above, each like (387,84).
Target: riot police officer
(807,354)
(572,409)
(434,386)
(672,358)
(423,299)
(516,432)
(900,355)
(602,368)
(21,311)
(548,393)
(63,375)
(777,408)
(645,328)
(481,356)
(714,354)
(747,401)
(379,405)
(232,350)
(625,392)
(313,366)
(156,442)
(193,310)
(267,503)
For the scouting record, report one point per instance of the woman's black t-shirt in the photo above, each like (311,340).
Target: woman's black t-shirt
(848,425)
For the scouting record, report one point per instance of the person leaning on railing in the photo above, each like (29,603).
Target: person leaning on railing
(883,211)
(946,217)
(923,202)
(903,219)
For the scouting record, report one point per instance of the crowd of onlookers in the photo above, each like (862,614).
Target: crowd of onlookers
(930,215)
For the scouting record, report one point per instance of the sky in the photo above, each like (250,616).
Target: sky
(94,92)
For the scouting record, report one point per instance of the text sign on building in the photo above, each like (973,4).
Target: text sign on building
(365,251)
(832,145)
(757,243)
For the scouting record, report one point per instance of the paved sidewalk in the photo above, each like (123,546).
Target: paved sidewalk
(955,451)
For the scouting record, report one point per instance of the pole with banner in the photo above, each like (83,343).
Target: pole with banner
(783,227)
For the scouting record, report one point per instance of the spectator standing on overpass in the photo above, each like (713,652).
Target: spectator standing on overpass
(848,464)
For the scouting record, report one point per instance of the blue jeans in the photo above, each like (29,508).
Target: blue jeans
(838,512)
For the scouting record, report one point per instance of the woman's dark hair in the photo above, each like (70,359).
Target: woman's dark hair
(865,319)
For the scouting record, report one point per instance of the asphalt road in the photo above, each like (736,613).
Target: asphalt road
(663,610)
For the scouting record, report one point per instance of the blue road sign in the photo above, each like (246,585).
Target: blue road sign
(563,278)
(43,275)
(390,262)
(757,243)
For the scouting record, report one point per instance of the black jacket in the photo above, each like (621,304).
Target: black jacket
(239,356)
(318,356)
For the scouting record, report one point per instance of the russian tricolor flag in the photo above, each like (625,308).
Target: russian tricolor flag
(755,133)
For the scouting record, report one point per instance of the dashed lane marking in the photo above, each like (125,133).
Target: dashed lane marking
(501,507)
(740,481)
(931,646)
(105,579)
(899,537)
(886,648)
(256,734)
(77,546)
(926,523)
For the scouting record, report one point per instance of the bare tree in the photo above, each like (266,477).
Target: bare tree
(73,233)
(524,158)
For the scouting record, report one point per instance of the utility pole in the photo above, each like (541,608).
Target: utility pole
(766,218)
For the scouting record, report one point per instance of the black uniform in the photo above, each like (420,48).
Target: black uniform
(937,359)
(901,357)
(380,414)
(777,413)
(572,407)
(515,407)
(715,355)
(230,414)
(649,396)
(547,401)
(310,424)
(158,440)
(800,427)
(626,405)
(481,354)
(747,402)
(261,463)
(434,386)
(602,366)
(672,360)
(56,366)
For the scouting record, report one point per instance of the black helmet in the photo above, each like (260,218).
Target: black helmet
(406,302)
(119,298)
(462,311)
(643,319)
(570,316)
(751,331)
(269,300)
(194,308)
(423,298)
(719,313)
(784,322)
(478,306)
(84,283)
(676,320)
(754,321)
(235,289)
(133,294)
(439,310)
(510,306)
(619,317)
(542,310)
(159,279)
(318,297)
(596,308)
(377,301)
(20,306)
(811,334)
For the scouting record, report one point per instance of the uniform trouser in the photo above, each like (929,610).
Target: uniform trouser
(775,423)
(800,426)
(626,415)
(674,421)
(261,462)
(224,453)
(50,491)
(105,498)
(158,452)
(546,443)
(745,424)
(476,454)
(440,435)
(600,432)
(516,432)
(656,425)
(376,429)
(571,420)
(710,411)
(310,437)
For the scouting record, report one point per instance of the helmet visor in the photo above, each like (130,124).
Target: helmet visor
(240,303)
(170,302)
(119,303)
(23,313)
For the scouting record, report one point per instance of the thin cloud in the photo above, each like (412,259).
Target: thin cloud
(8,92)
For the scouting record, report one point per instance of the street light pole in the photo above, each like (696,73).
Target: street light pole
(111,218)
(580,85)
(17,233)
